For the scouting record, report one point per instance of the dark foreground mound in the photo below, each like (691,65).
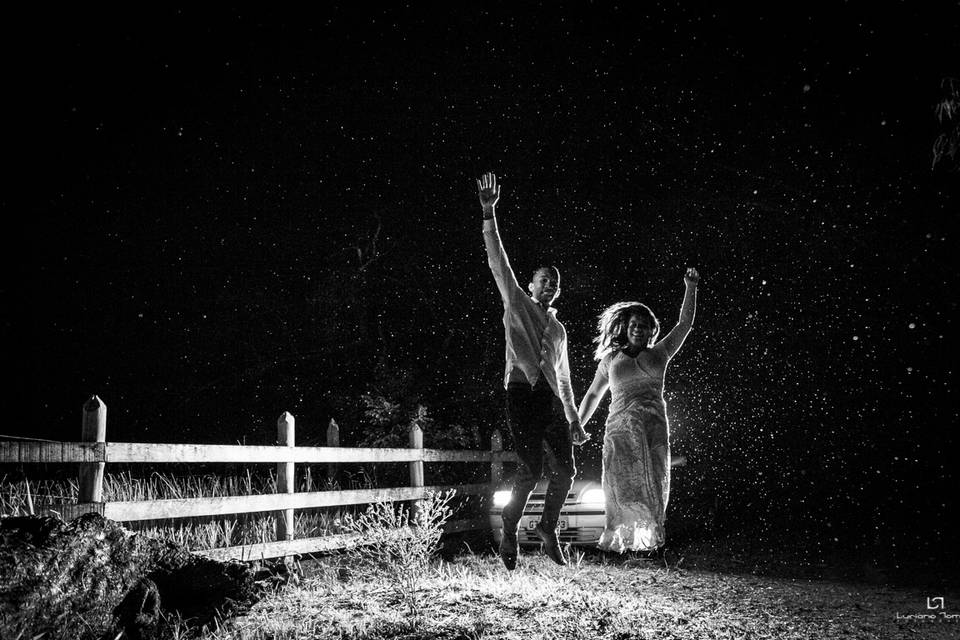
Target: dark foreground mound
(91,578)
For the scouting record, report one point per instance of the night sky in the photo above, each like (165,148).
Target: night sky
(228,215)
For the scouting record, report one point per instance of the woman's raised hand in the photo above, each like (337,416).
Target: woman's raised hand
(691,277)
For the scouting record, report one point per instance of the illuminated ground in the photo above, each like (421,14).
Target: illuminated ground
(596,597)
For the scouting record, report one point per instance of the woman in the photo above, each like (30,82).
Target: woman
(636,447)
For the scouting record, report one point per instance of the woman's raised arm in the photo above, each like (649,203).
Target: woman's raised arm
(673,340)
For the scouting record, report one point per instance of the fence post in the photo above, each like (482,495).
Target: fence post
(285,476)
(496,466)
(416,467)
(333,440)
(94,430)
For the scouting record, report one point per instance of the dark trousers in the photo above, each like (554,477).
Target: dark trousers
(538,434)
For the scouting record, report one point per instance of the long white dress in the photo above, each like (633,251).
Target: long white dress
(636,451)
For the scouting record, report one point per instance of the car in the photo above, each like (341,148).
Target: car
(581,518)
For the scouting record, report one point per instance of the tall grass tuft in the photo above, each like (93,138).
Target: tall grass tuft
(395,543)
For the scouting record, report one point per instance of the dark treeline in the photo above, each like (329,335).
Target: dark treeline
(267,218)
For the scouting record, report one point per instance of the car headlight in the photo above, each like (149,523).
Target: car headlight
(593,496)
(501,498)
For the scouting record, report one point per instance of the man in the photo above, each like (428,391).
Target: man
(537,373)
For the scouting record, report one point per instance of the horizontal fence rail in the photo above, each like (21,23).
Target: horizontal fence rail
(145,452)
(134,510)
(264,550)
(93,453)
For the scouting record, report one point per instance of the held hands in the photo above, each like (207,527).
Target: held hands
(691,277)
(489,193)
(577,434)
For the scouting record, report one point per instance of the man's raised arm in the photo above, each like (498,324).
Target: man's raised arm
(489,192)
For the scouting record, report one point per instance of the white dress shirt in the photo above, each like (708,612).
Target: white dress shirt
(536,341)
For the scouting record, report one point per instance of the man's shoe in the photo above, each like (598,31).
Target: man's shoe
(551,546)
(508,549)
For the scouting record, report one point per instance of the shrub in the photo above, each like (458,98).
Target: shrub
(394,543)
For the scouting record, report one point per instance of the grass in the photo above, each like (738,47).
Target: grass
(596,596)
(23,497)
(399,561)
(714,590)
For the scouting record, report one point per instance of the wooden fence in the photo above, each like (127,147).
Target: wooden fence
(94,452)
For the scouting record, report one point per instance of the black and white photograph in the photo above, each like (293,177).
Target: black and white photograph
(533,320)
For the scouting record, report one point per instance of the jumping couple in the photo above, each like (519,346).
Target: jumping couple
(636,448)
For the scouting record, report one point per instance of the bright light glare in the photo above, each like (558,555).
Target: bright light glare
(593,496)
(501,498)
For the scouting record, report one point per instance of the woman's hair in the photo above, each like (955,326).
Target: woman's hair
(612,326)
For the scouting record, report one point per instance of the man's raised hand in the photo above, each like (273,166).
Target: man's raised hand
(489,193)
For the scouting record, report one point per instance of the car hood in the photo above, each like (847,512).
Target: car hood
(580,486)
